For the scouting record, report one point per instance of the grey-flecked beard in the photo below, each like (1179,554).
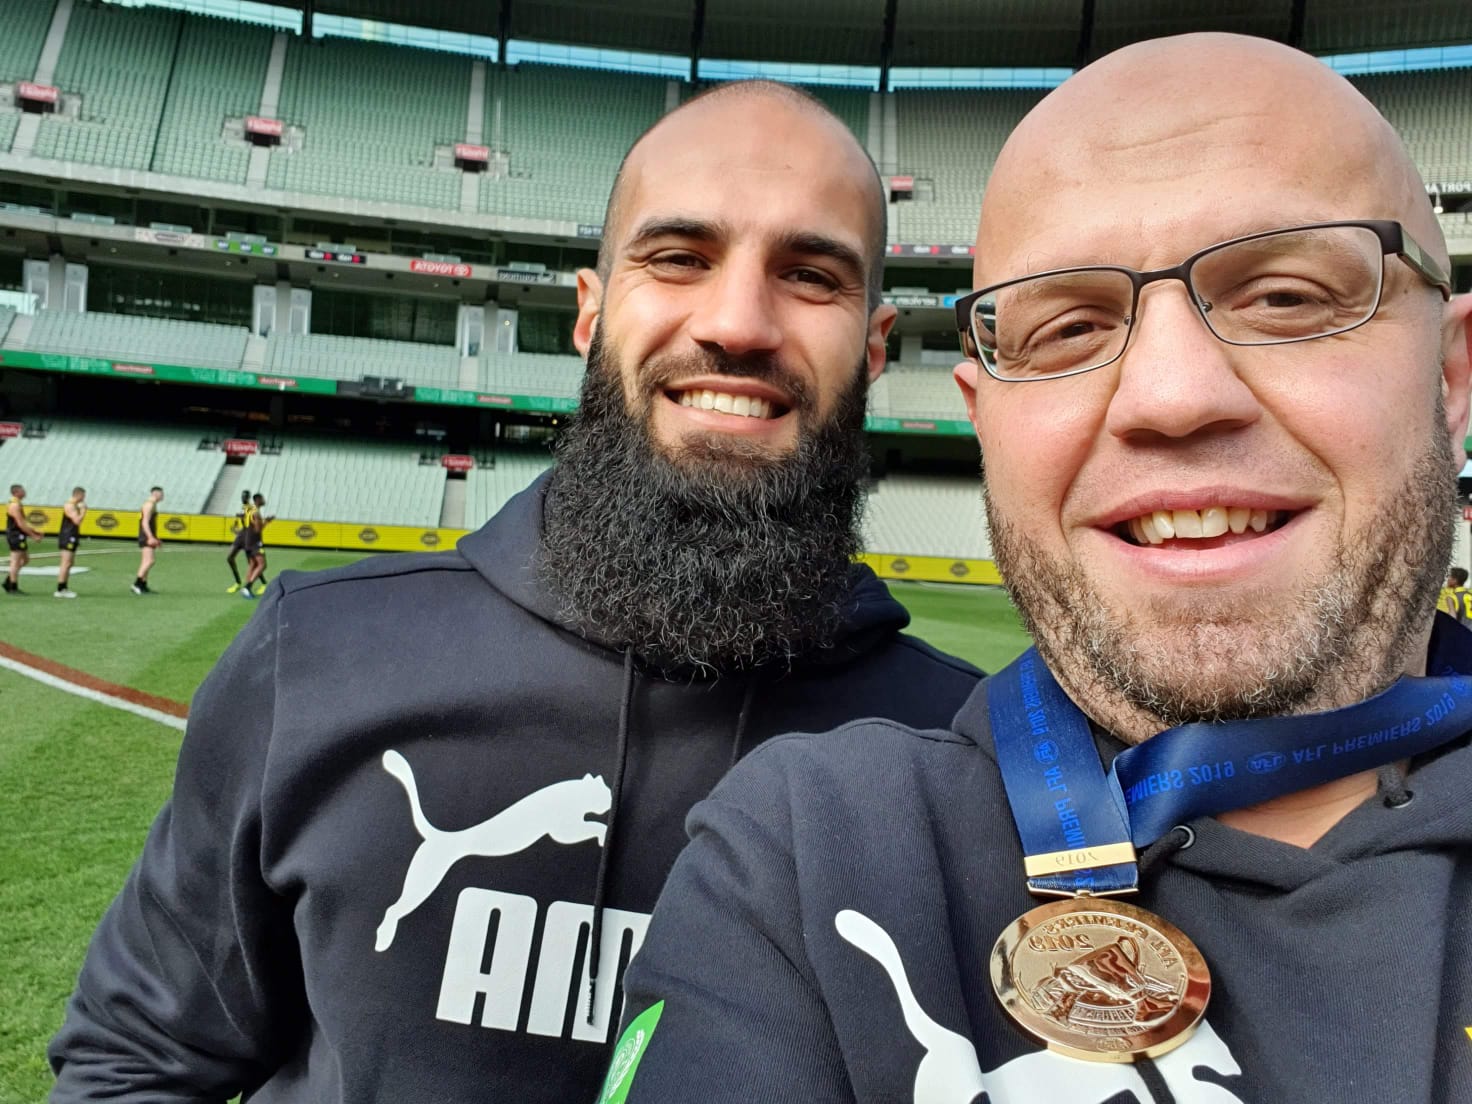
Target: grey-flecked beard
(718,558)
(1347,635)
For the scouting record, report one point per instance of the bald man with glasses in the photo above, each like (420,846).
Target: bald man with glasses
(1209,841)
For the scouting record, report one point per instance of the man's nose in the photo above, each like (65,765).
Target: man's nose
(1175,378)
(737,311)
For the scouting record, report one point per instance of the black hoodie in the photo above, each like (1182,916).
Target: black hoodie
(826,938)
(376,875)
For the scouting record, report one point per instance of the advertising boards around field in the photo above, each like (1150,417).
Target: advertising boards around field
(932,569)
(110,523)
(45,518)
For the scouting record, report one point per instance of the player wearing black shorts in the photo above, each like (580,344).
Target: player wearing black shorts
(255,580)
(68,539)
(18,531)
(241,528)
(148,539)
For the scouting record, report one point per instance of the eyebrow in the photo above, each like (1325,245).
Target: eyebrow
(800,242)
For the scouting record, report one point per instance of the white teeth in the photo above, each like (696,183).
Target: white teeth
(1212,521)
(724,403)
(1187,523)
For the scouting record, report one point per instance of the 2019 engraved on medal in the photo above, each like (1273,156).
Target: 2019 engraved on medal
(1100,980)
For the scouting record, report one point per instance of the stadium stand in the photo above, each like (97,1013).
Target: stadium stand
(26,23)
(7,315)
(951,140)
(116,463)
(132,337)
(218,75)
(496,477)
(372,115)
(926,515)
(912,391)
(1432,110)
(531,374)
(565,131)
(337,357)
(118,61)
(325,479)
(8,125)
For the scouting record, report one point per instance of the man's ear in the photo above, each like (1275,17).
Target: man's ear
(1456,366)
(881,321)
(590,306)
(966,375)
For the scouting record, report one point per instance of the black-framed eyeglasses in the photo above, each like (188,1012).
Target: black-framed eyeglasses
(1272,288)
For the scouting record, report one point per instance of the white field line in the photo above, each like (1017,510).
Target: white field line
(94,695)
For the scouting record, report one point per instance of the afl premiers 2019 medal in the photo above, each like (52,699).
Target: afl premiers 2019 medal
(1095,978)
(1090,976)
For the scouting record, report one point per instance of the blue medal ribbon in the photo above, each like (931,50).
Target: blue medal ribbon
(1063,800)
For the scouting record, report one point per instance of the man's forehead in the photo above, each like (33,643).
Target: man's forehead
(752,162)
(1216,130)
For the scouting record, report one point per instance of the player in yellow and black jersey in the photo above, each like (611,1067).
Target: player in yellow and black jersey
(68,539)
(241,527)
(17,532)
(255,552)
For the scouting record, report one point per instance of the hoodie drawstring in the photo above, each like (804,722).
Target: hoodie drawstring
(741,720)
(600,890)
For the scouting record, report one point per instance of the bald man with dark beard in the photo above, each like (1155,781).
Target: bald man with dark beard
(1209,841)
(425,803)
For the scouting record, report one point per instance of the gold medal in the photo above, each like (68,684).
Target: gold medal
(1101,980)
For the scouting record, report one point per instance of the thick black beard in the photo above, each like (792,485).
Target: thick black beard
(720,558)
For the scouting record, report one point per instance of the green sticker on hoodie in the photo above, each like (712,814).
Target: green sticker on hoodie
(626,1057)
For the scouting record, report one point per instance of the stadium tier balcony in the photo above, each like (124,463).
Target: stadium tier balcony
(132,337)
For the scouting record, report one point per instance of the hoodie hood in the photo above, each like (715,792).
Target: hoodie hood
(504,552)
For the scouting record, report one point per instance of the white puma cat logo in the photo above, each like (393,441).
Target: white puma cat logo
(559,811)
(951,1074)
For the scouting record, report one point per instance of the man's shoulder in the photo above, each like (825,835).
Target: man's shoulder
(372,572)
(860,751)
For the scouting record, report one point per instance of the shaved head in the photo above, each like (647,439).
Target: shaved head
(1180,109)
(783,105)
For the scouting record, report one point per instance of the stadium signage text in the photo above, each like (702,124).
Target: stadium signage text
(133,369)
(368,536)
(276,381)
(335,256)
(457,462)
(305,532)
(913,300)
(40,93)
(106,522)
(464,151)
(175,525)
(494,400)
(241,446)
(590,229)
(439,268)
(429,538)
(11,429)
(908,250)
(521,276)
(901,183)
(256,124)
(37,518)
(262,249)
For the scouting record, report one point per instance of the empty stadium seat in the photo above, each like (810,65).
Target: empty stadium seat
(133,337)
(118,61)
(373,115)
(927,515)
(496,477)
(26,23)
(566,131)
(219,74)
(327,479)
(116,463)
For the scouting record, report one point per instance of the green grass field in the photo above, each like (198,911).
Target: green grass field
(82,781)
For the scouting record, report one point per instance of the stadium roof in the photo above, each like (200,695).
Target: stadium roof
(973,33)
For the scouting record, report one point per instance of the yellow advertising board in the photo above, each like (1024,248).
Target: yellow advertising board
(298,533)
(932,569)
